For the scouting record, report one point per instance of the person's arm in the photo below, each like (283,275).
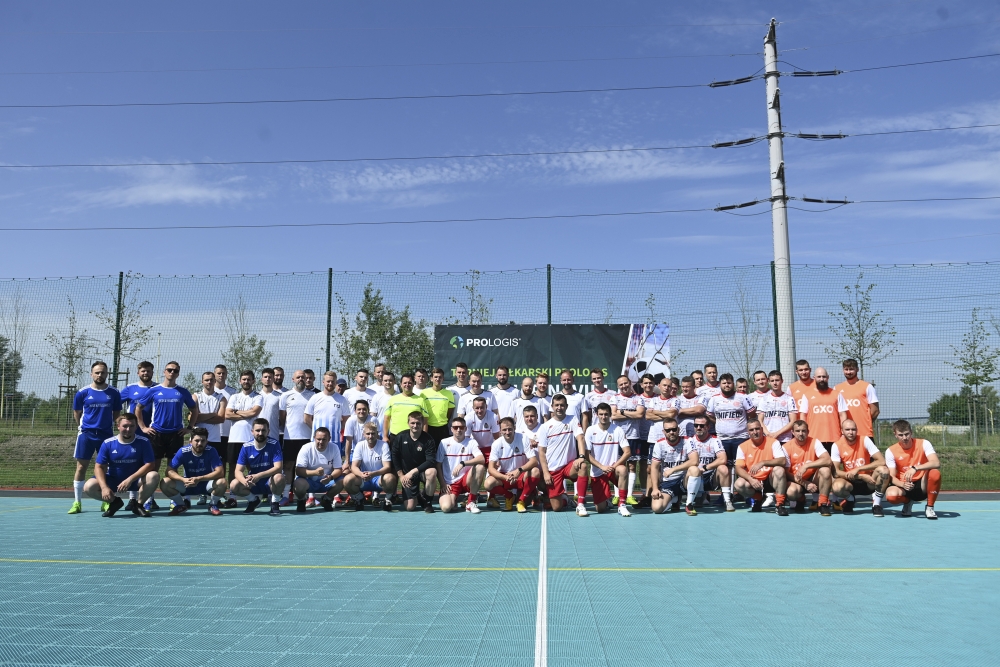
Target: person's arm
(781,431)
(820,462)
(107,493)
(240,474)
(77,415)
(741,472)
(874,410)
(274,470)
(544,466)
(842,409)
(720,460)
(492,471)
(877,460)
(385,427)
(585,416)
(217,417)
(173,474)
(307,419)
(430,456)
(657,476)
(695,410)
(138,474)
(192,418)
(690,462)
(581,446)
(218,473)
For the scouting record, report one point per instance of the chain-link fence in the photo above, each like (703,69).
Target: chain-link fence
(925,334)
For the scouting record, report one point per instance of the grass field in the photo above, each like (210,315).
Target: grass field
(498,589)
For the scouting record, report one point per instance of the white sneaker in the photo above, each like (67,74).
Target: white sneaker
(203,499)
(581,510)
(930,513)
(472,508)
(907,508)
(624,510)
(769,500)
(729,506)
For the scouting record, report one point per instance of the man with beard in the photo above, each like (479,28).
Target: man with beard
(818,408)
(808,469)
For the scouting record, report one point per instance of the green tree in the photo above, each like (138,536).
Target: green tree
(956,409)
(744,336)
(70,351)
(134,334)
(977,364)
(244,351)
(863,332)
(11,366)
(379,332)
(475,307)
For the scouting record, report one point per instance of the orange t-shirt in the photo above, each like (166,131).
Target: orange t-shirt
(906,459)
(858,408)
(821,414)
(857,456)
(799,388)
(801,455)
(751,454)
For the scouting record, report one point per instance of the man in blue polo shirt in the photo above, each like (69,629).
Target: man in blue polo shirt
(203,474)
(258,471)
(95,408)
(124,465)
(166,429)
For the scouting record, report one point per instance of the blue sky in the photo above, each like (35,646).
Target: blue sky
(258,50)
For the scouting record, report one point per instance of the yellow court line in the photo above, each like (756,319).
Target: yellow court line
(21,509)
(419,568)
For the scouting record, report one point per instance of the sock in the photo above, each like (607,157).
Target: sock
(253,496)
(581,488)
(275,497)
(850,498)
(132,495)
(472,499)
(877,498)
(312,496)
(757,497)
(177,499)
(824,500)
(727,494)
(692,488)
(779,499)
(614,491)
(78,491)
(933,486)
(815,497)
(631,482)
(530,484)
(621,494)
(793,503)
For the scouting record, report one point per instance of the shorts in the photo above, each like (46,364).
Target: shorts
(917,493)
(768,487)
(290,449)
(165,445)
(600,487)
(709,481)
(373,484)
(828,446)
(675,486)
(439,433)
(411,492)
(731,445)
(638,449)
(232,453)
(558,476)
(862,488)
(316,486)
(199,489)
(461,485)
(262,488)
(89,441)
(114,482)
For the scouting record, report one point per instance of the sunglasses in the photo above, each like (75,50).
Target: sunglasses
(171,370)
(701,425)
(671,430)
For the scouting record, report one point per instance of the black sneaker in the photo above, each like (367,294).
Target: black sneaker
(327,503)
(187,503)
(115,505)
(781,510)
(300,505)
(152,504)
(359,502)
(847,507)
(800,507)
(387,505)
(137,508)
(178,509)
(229,504)
(756,505)
(428,505)
(275,509)
(877,510)
(825,510)
(252,505)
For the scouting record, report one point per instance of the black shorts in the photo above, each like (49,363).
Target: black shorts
(232,453)
(860,487)
(165,445)
(917,493)
(828,446)
(439,433)
(290,449)
(731,445)
(410,492)
(638,449)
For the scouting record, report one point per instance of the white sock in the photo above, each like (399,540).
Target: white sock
(275,498)
(132,495)
(692,486)
(876,498)
(631,482)
(78,490)
(770,495)
(312,497)
(614,491)
(727,494)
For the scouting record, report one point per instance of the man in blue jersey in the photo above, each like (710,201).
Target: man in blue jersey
(166,428)
(258,471)
(124,465)
(135,391)
(203,474)
(95,408)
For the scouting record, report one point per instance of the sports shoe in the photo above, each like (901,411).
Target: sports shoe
(252,505)
(691,511)
(171,505)
(387,504)
(800,507)
(300,506)
(311,502)
(105,506)
(615,500)
(139,510)
(930,513)
(359,503)
(631,500)
(187,503)
(847,506)
(508,504)
(755,505)
(230,503)
(495,504)
(113,507)
(472,508)
(214,510)
(148,505)
(275,509)
(177,509)
(825,510)
(623,510)
(647,501)
(581,510)
(877,510)
(521,507)
(907,509)
(203,499)
(768,500)
(152,505)
(729,506)
(75,508)
(286,501)
(326,503)
(814,506)
(781,510)
(429,508)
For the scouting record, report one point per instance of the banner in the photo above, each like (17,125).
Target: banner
(530,349)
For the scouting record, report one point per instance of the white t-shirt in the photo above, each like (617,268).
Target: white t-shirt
(595,398)
(870,447)
(270,408)
(327,411)
(228,392)
(890,458)
(644,423)
(530,435)
(671,455)
(575,404)
(353,395)
(708,449)
(510,456)
(755,396)
(775,412)
(459,393)
(451,452)
(730,414)
(464,406)
(558,438)
(293,404)
(604,445)
(482,430)
(708,391)
(208,404)
(371,459)
(311,458)
(686,424)
(631,427)
(505,400)
(242,429)
(540,404)
(379,403)
(355,430)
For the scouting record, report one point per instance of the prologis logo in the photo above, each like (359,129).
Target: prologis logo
(457,342)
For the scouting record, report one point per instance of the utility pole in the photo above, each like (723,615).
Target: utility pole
(785,320)
(118,331)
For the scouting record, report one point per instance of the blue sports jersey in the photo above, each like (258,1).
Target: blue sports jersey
(196,466)
(131,396)
(259,460)
(123,460)
(98,406)
(168,407)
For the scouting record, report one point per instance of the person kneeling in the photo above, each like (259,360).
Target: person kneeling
(513,466)
(124,465)
(318,469)
(461,468)
(681,459)
(914,469)
(258,471)
(760,466)
(371,470)
(203,474)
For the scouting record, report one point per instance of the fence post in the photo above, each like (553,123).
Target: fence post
(548,301)
(774,305)
(118,331)
(329,314)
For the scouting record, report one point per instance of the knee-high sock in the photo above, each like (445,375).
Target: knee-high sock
(727,493)
(581,488)
(78,490)
(530,484)
(933,486)
(693,485)
(631,483)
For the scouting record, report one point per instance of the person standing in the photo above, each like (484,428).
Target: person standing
(527,397)
(398,410)
(461,385)
(270,408)
(383,393)
(476,390)
(818,408)
(360,391)
(327,408)
(575,400)
(211,416)
(221,376)
(805,383)
(279,380)
(440,406)
(95,408)
(504,393)
(241,410)
(134,392)
(599,394)
(857,400)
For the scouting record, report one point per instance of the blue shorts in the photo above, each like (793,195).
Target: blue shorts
(675,487)
(199,489)
(262,488)
(373,484)
(316,486)
(731,445)
(89,441)
(709,480)
(113,483)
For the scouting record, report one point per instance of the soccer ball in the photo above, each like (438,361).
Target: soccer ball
(656,365)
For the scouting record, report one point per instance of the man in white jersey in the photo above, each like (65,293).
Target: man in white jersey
(504,393)
(270,408)
(211,415)
(482,427)
(562,455)
(461,467)
(599,394)
(318,469)
(711,463)
(420,380)
(675,466)
(326,408)
(291,416)
(279,380)
(776,409)
(627,412)
(461,386)
(689,405)
(712,385)
(530,423)
(542,387)
(221,376)
(384,392)
(575,400)
(608,451)
(761,387)
(241,409)
(699,379)
(311,380)
(512,466)
(663,405)
(354,429)
(730,411)
(371,470)
(742,386)
(527,397)
(360,391)
(464,405)
(378,370)
(648,397)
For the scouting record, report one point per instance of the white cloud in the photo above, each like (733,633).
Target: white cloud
(166,185)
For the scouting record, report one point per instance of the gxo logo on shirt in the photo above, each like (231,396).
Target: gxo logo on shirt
(820,409)
(853,402)
(457,342)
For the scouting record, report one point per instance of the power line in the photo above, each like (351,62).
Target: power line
(802,72)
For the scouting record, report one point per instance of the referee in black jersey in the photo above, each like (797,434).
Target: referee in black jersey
(414,456)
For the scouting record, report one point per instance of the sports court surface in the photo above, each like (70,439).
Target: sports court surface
(372,588)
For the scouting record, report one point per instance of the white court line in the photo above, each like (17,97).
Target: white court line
(542,605)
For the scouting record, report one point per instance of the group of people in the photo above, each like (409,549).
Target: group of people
(410,440)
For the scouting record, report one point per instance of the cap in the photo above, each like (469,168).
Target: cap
(341,382)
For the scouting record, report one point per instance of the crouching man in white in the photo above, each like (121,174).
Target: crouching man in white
(461,467)
(318,469)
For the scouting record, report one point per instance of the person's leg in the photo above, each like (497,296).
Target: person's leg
(430,479)
(92,489)
(581,471)
(692,481)
(620,477)
(147,485)
(725,484)
(388,484)
(173,489)
(448,502)
(795,492)
(779,480)
(742,487)
(824,483)
(841,488)
(660,505)
(277,484)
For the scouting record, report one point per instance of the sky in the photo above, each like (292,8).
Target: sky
(54,53)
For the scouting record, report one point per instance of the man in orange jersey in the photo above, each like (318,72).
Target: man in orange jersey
(857,400)
(805,382)
(808,469)
(818,408)
(760,466)
(914,469)
(859,469)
